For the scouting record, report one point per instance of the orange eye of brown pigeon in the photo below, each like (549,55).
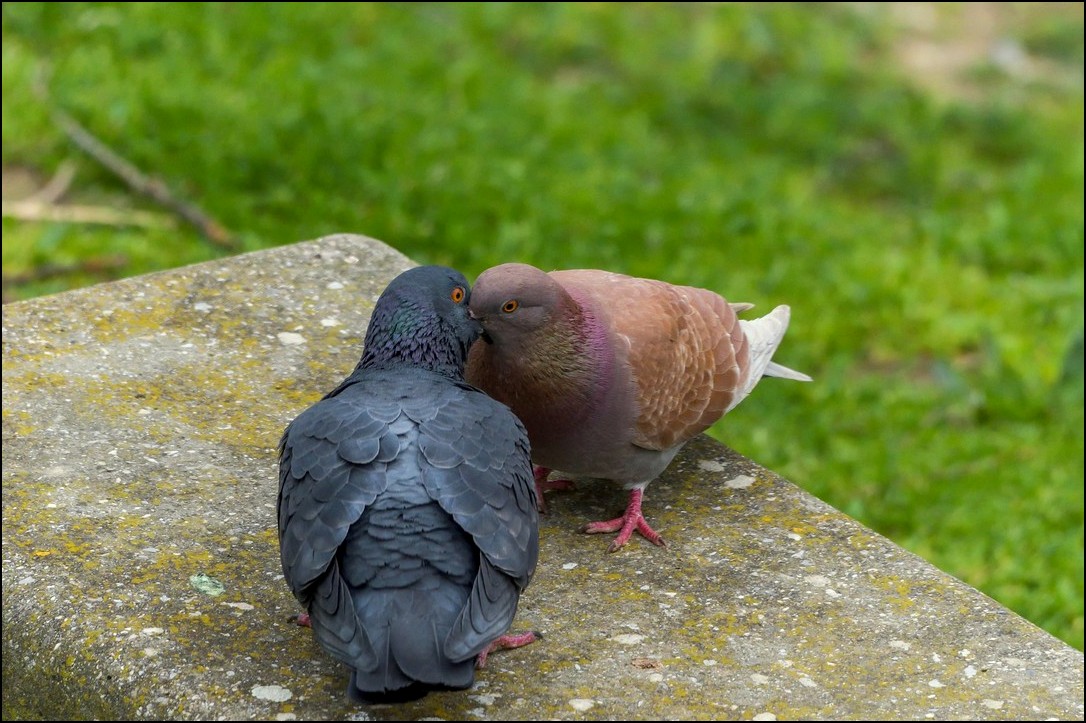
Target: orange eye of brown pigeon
(457,294)
(510,306)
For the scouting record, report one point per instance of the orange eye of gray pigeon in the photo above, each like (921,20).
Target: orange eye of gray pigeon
(457,294)
(510,306)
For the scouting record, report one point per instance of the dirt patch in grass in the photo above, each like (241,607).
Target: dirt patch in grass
(949,48)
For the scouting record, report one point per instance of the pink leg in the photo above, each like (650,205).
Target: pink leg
(625,525)
(542,484)
(506,642)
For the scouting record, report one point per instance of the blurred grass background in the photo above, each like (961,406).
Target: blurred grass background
(908,176)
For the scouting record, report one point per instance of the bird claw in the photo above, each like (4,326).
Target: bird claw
(507,642)
(625,525)
(542,484)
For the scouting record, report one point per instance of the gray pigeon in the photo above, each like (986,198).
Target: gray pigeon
(612,374)
(407,511)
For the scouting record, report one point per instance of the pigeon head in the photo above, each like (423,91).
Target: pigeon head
(515,301)
(421,319)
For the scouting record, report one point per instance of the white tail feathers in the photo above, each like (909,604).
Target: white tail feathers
(773,369)
(764,336)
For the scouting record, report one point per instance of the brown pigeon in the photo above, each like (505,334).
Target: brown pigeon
(611,374)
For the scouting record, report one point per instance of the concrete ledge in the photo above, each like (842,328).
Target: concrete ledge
(141,575)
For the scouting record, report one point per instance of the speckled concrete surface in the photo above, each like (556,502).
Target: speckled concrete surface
(141,575)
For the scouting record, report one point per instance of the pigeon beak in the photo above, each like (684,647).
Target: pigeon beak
(483,335)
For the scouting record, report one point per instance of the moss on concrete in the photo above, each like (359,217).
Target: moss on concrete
(140,422)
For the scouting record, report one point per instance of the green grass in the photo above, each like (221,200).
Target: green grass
(930,243)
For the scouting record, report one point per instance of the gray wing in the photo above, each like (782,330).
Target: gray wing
(331,464)
(480,472)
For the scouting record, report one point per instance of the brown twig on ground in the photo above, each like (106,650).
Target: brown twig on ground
(57,186)
(31,210)
(138,181)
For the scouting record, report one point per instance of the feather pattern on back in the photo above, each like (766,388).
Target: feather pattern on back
(407,512)
(613,374)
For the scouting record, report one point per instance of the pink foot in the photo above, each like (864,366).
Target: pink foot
(542,484)
(625,525)
(506,642)
(301,619)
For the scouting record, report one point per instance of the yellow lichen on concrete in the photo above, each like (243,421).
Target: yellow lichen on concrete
(142,579)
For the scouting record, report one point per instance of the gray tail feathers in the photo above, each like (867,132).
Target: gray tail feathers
(411,662)
(764,336)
